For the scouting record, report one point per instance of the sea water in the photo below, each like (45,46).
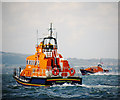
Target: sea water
(96,86)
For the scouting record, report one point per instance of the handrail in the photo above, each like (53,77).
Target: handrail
(39,72)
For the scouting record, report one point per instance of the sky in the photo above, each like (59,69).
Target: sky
(84,30)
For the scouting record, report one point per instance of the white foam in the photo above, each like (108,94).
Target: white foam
(98,86)
(63,85)
(107,73)
(87,86)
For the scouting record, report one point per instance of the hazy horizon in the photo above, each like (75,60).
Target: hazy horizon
(65,58)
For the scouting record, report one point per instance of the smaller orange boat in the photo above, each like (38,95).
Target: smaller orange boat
(93,69)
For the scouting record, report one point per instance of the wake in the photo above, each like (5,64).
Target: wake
(108,73)
(99,86)
(87,86)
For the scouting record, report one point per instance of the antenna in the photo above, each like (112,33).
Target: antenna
(37,46)
(56,35)
(37,37)
(50,29)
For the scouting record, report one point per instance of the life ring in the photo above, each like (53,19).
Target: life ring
(72,71)
(55,71)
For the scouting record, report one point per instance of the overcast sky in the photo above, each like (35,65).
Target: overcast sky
(85,30)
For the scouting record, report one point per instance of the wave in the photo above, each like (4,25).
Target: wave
(98,86)
(87,86)
(108,73)
(63,85)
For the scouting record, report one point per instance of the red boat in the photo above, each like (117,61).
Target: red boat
(93,69)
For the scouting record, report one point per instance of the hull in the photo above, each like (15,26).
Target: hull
(36,81)
(106,70)
(86,72)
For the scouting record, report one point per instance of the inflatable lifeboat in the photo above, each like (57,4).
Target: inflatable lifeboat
(93,69)
(46,67)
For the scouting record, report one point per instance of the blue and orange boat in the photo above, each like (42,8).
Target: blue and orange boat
(93,69)
(46,67)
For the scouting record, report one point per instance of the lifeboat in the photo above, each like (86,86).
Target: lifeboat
(46,67)
(93,69)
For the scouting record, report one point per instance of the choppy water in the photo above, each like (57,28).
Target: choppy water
(99,85)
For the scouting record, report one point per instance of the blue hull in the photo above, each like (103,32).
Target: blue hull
(85,72)
(36,81)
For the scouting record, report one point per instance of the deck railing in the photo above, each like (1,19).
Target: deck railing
(38,72)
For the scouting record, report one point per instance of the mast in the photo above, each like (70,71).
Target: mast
(37,38)
(51,30)
(56,35)
(37,47)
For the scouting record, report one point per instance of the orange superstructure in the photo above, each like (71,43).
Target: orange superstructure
(47,61)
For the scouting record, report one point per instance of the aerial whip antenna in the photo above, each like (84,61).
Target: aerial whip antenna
(37,46)
(56,35)
(50,29)
(37,37)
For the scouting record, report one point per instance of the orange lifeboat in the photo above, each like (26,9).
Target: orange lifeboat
(93,69)
(46,66)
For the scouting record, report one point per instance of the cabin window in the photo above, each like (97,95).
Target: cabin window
(30,62)
(52,42)
(36,62)
(33,70)
(33,62)
(27,62)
